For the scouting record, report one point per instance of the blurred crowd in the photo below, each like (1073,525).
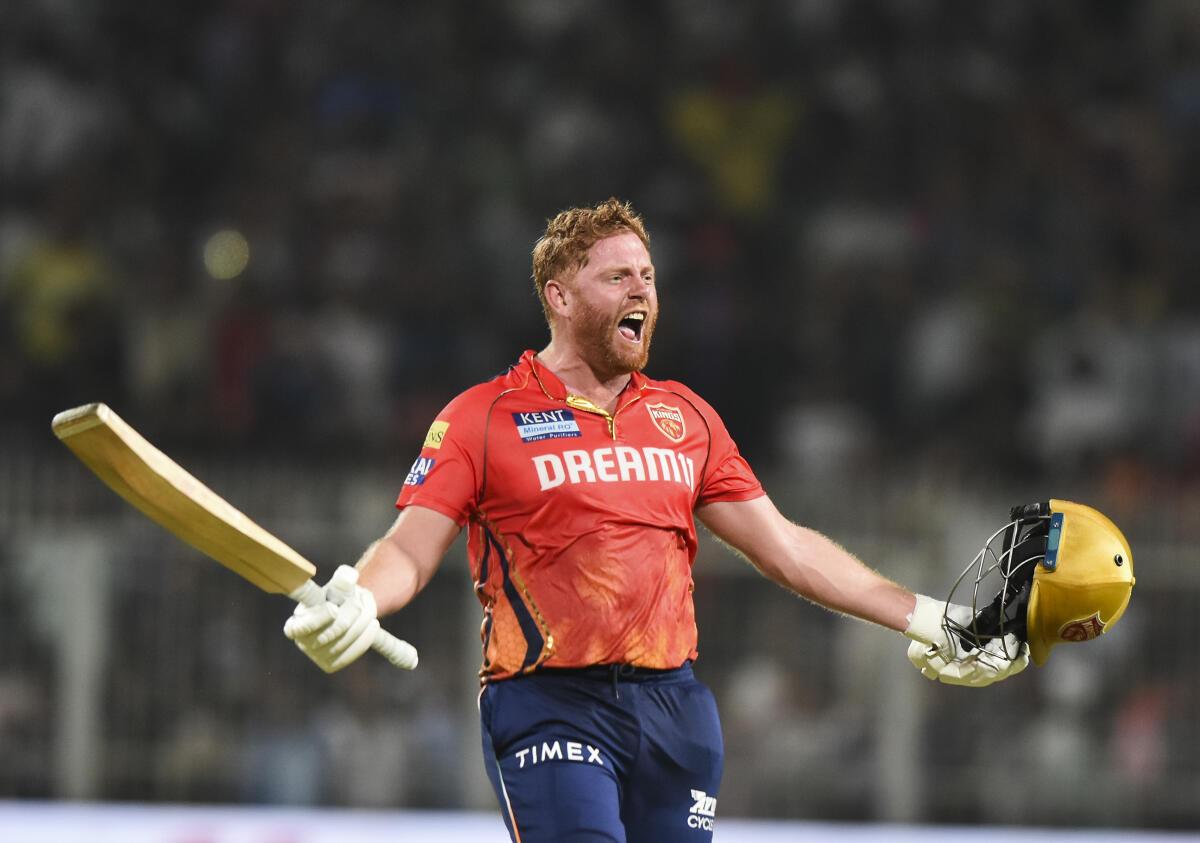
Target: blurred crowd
(895,238)
(887,232)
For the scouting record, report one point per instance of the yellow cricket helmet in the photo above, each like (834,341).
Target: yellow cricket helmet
(1084,581)
(1060,572)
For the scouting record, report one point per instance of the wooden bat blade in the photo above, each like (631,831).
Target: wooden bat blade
(171,497)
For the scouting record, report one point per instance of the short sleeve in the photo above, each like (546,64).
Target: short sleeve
(445,476)
(727,475)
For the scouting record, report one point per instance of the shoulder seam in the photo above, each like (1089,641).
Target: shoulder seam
(487,423)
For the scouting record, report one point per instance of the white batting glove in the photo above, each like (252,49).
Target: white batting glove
(939,654)
(335,633)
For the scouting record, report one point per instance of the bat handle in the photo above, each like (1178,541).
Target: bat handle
(310,594)
(399,653)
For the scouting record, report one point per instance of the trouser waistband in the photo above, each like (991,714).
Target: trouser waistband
(614,673)
(623,672)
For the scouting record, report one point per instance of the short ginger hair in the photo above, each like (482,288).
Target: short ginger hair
(564,246)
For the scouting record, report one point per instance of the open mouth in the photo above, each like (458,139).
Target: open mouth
(630,326)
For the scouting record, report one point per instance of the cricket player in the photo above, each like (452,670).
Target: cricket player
(580,481)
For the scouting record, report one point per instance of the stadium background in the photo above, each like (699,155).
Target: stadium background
(929,259)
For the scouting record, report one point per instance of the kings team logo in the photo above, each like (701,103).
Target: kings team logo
(1082,630)
(669,420)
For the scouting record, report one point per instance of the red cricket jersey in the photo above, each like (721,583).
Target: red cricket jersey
(581,537)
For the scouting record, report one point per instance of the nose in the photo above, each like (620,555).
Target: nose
(640,288)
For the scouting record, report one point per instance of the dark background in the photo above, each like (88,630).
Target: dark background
(924,257)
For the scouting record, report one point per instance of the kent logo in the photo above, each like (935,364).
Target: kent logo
(536,425)
(419,471)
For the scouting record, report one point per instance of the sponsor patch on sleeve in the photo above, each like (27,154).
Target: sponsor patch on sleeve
(419,471)
(535,426)
(437,432)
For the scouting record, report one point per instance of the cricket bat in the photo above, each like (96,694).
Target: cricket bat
(175,500)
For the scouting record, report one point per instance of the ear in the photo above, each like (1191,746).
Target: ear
(557,296)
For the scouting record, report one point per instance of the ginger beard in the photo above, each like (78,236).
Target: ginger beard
(603,344)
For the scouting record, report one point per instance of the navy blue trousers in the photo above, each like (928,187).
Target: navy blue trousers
(603,755)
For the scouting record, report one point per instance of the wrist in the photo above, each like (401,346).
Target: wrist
(925,620)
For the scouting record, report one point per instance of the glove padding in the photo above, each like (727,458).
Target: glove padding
(336,632)
(939,654)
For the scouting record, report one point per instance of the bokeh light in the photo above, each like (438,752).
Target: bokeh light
(226,254)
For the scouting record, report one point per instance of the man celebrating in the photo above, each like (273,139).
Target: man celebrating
(580,481)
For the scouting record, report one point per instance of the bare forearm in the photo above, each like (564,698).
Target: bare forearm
(817,568)
(811,565)
(808,563)
(400,564)
(391,574)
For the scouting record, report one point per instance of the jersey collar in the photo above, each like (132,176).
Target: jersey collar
(555,389)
